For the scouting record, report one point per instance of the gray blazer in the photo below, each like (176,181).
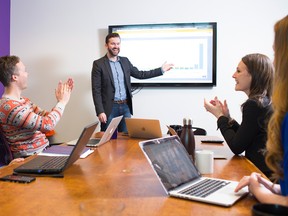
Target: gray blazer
(103,88)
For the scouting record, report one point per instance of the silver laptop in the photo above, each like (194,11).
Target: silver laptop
(94,142)
(180,177)
(143,128)
(57,164)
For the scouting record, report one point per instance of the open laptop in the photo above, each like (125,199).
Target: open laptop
(94,142)
(179,176)
(143,128)
(57,164)
(56,139)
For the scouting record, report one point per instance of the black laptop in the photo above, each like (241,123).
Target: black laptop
(57,164)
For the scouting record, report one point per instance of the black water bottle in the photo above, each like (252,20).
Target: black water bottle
(187,137)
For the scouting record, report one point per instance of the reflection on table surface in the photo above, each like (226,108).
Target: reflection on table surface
(117,176)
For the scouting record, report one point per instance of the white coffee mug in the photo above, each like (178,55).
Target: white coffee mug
(204,161)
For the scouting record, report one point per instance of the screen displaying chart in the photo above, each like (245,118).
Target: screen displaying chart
(190,47)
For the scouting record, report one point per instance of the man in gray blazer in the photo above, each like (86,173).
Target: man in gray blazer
(111,84)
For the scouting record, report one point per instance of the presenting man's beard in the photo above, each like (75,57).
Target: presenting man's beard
(114,51)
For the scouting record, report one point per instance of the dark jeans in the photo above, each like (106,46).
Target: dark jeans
(118,110)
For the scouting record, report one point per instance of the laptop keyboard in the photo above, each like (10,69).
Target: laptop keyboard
(54,162)
(204,188)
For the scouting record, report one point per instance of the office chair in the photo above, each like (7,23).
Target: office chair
(199,131)
(6,155)
(196,130)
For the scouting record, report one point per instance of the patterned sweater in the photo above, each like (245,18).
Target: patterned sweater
(23,124)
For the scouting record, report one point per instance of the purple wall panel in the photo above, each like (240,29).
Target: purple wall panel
(4,27)
(4,31)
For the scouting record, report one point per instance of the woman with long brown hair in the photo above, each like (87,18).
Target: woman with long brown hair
(277,144)
(253,76)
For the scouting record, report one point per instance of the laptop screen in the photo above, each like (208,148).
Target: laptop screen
(171,161)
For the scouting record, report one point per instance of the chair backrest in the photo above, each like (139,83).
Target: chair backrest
(199,131)
(196,130)
(6,155)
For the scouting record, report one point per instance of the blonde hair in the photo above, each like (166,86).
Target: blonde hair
(275,153)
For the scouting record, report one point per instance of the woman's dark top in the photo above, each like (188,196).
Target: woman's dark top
(251,135)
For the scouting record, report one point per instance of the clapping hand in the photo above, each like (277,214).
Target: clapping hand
(63,91)
(215,107)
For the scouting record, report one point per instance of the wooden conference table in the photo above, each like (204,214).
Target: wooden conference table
(117,178)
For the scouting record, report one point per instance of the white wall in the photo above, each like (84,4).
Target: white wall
(57,39)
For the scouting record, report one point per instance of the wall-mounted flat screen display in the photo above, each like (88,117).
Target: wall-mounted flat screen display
(191,47)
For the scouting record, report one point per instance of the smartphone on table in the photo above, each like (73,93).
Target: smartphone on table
(18,178)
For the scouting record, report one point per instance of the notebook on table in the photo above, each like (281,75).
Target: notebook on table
(57,164)
(143,128)
(64,150)
(180,178)
(94,142)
